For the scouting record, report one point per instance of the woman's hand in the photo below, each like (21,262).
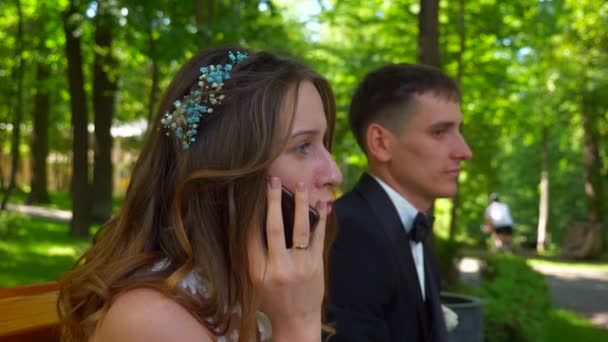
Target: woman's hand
(289,282)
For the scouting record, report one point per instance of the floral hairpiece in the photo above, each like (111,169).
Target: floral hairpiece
(185,115)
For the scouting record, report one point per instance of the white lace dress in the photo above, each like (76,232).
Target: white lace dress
(195,284)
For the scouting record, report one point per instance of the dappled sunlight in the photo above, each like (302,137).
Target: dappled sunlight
(61,250)
(600,319)
(469,265)
(571,270)
(442,213)
(37,250)
(564,325)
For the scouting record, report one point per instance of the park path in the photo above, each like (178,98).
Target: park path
(52,214)
(584,291)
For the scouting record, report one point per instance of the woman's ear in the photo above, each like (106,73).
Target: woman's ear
(378,140)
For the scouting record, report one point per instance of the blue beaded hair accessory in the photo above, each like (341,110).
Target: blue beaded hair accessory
(185,115)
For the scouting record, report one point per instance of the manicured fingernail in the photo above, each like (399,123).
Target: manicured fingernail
(274,182)
(300,186)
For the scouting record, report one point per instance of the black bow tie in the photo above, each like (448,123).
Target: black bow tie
(421,228)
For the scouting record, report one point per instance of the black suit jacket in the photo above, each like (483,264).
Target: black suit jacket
(374,293)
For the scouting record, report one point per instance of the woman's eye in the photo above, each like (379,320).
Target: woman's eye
(303,148)
(438,132)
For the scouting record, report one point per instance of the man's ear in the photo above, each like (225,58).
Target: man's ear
(379,140)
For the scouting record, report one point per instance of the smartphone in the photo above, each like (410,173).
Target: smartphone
(288,209)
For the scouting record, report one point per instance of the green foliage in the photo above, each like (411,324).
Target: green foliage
(58,199)
(566,326)
(448,254)
(525,66)
(517,300)
(10,223)
(517,305)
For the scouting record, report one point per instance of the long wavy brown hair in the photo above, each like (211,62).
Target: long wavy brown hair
(196,208)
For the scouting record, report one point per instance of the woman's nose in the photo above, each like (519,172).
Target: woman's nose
(331,174)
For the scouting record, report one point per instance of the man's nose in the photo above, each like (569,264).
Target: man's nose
(462,151)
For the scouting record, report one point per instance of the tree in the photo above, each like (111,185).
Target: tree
(462,45)
(104,93)
(42,103)
(428,39)
(18,111)
(587,41)
(79,186)
(543,203)
(591,160)
(204,11)
(40,138)
(428,36)
(153,60)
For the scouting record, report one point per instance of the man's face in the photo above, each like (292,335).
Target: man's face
(425,153)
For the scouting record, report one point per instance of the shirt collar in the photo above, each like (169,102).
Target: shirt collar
(405,209)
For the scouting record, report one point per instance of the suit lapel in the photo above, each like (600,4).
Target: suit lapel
(439,330)
(390,223)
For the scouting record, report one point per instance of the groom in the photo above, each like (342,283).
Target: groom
(383,280)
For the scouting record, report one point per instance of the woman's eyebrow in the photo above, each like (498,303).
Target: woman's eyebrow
(305,132)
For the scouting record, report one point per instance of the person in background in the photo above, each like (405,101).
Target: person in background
(499,223)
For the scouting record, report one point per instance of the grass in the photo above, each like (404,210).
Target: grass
(35,250)
(599,266)
(58,199)
(566,326)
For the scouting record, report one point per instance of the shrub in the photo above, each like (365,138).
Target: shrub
(10,223)
(517,300)
(448,253)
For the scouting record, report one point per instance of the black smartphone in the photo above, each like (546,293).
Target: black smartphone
(288,208)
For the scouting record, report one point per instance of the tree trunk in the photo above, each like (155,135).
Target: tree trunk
(40,138)
(428,42)
(462,41)
(1,173)
(204,14)
(154,89)
(428,35)
(80,182)
(236,7)
(543,206)
(592,164)
(18,118)
(104,91)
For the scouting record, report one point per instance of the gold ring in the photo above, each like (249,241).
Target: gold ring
(300,247)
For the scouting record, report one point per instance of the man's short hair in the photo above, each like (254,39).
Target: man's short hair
(387,96)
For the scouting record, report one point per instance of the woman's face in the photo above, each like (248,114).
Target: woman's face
(305,158)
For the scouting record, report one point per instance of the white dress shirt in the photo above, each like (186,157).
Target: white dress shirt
(407,213)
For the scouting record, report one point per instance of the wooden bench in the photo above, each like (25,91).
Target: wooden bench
(29,313)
